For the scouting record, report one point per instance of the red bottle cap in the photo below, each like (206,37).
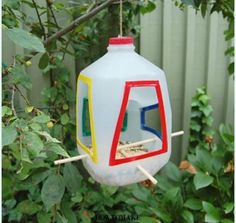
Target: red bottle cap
(121,40)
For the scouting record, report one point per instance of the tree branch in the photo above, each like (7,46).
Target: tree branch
(77,22)
(39,18)
(12,101)
(22,95)
(52,13)
(72,26)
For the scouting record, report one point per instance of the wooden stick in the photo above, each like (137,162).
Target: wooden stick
(137,143)
(147,141)
(148,175)
(70,159)
(177,133)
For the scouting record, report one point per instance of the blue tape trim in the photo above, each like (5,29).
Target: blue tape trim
(143,124)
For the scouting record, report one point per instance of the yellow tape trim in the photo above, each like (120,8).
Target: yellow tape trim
(93,153)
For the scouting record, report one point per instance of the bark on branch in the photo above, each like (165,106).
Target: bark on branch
(77,22)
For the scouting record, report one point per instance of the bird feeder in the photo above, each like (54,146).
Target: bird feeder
(113,96)
(118,142)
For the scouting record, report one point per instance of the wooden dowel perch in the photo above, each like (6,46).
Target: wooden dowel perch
(137,143)
(177,133)
(75,158)
(148,175)
(147,141)
(70,159)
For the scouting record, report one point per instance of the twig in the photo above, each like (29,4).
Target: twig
(39,18)
(25,99)
(77,22)
(65,48)
(12,100)
(53,15)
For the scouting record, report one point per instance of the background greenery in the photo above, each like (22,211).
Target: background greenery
(34,190)
(190,49)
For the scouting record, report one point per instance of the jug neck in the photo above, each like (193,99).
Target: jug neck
(121,44)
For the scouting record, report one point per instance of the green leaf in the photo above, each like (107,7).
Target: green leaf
(228,207)
(10,203)
(9,135)
(141,193)
(7,183)
(202,180)
(162,214)
(163,183)
(28,207)
(231,68)
(195,126)
(230,51)
(13,4)
(67,212)
(43,217)
(52,191)
(25,155)
(206,110)
(203,9)
(56,148)
(212,213)
(64,119)
(173,198)
(171,171)
(72,177)
(40,176)
(33,143)
(24,171)
(25,39)
(108,190)
(226,134)
(6,162)
(6,111)
(19,76)
(193,204)
(203,156)
(77,198)
(35,126)
(149,7)
(61,219)
(42,118)
(43,62)
(204,99)
(48,137)
(187,216)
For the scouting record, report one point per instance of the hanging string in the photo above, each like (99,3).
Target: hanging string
(121,18)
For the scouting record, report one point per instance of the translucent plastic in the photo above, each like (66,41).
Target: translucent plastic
(105,84)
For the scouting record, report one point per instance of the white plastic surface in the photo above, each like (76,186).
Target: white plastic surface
(108,75)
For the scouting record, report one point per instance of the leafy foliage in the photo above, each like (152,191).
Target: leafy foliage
(32,138)
(201,133)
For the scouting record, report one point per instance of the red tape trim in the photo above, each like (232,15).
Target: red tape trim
(128,85)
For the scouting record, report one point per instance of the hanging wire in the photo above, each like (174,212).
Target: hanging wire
(121,18)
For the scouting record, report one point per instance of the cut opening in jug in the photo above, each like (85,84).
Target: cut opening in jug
(85,132)
(146,134)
